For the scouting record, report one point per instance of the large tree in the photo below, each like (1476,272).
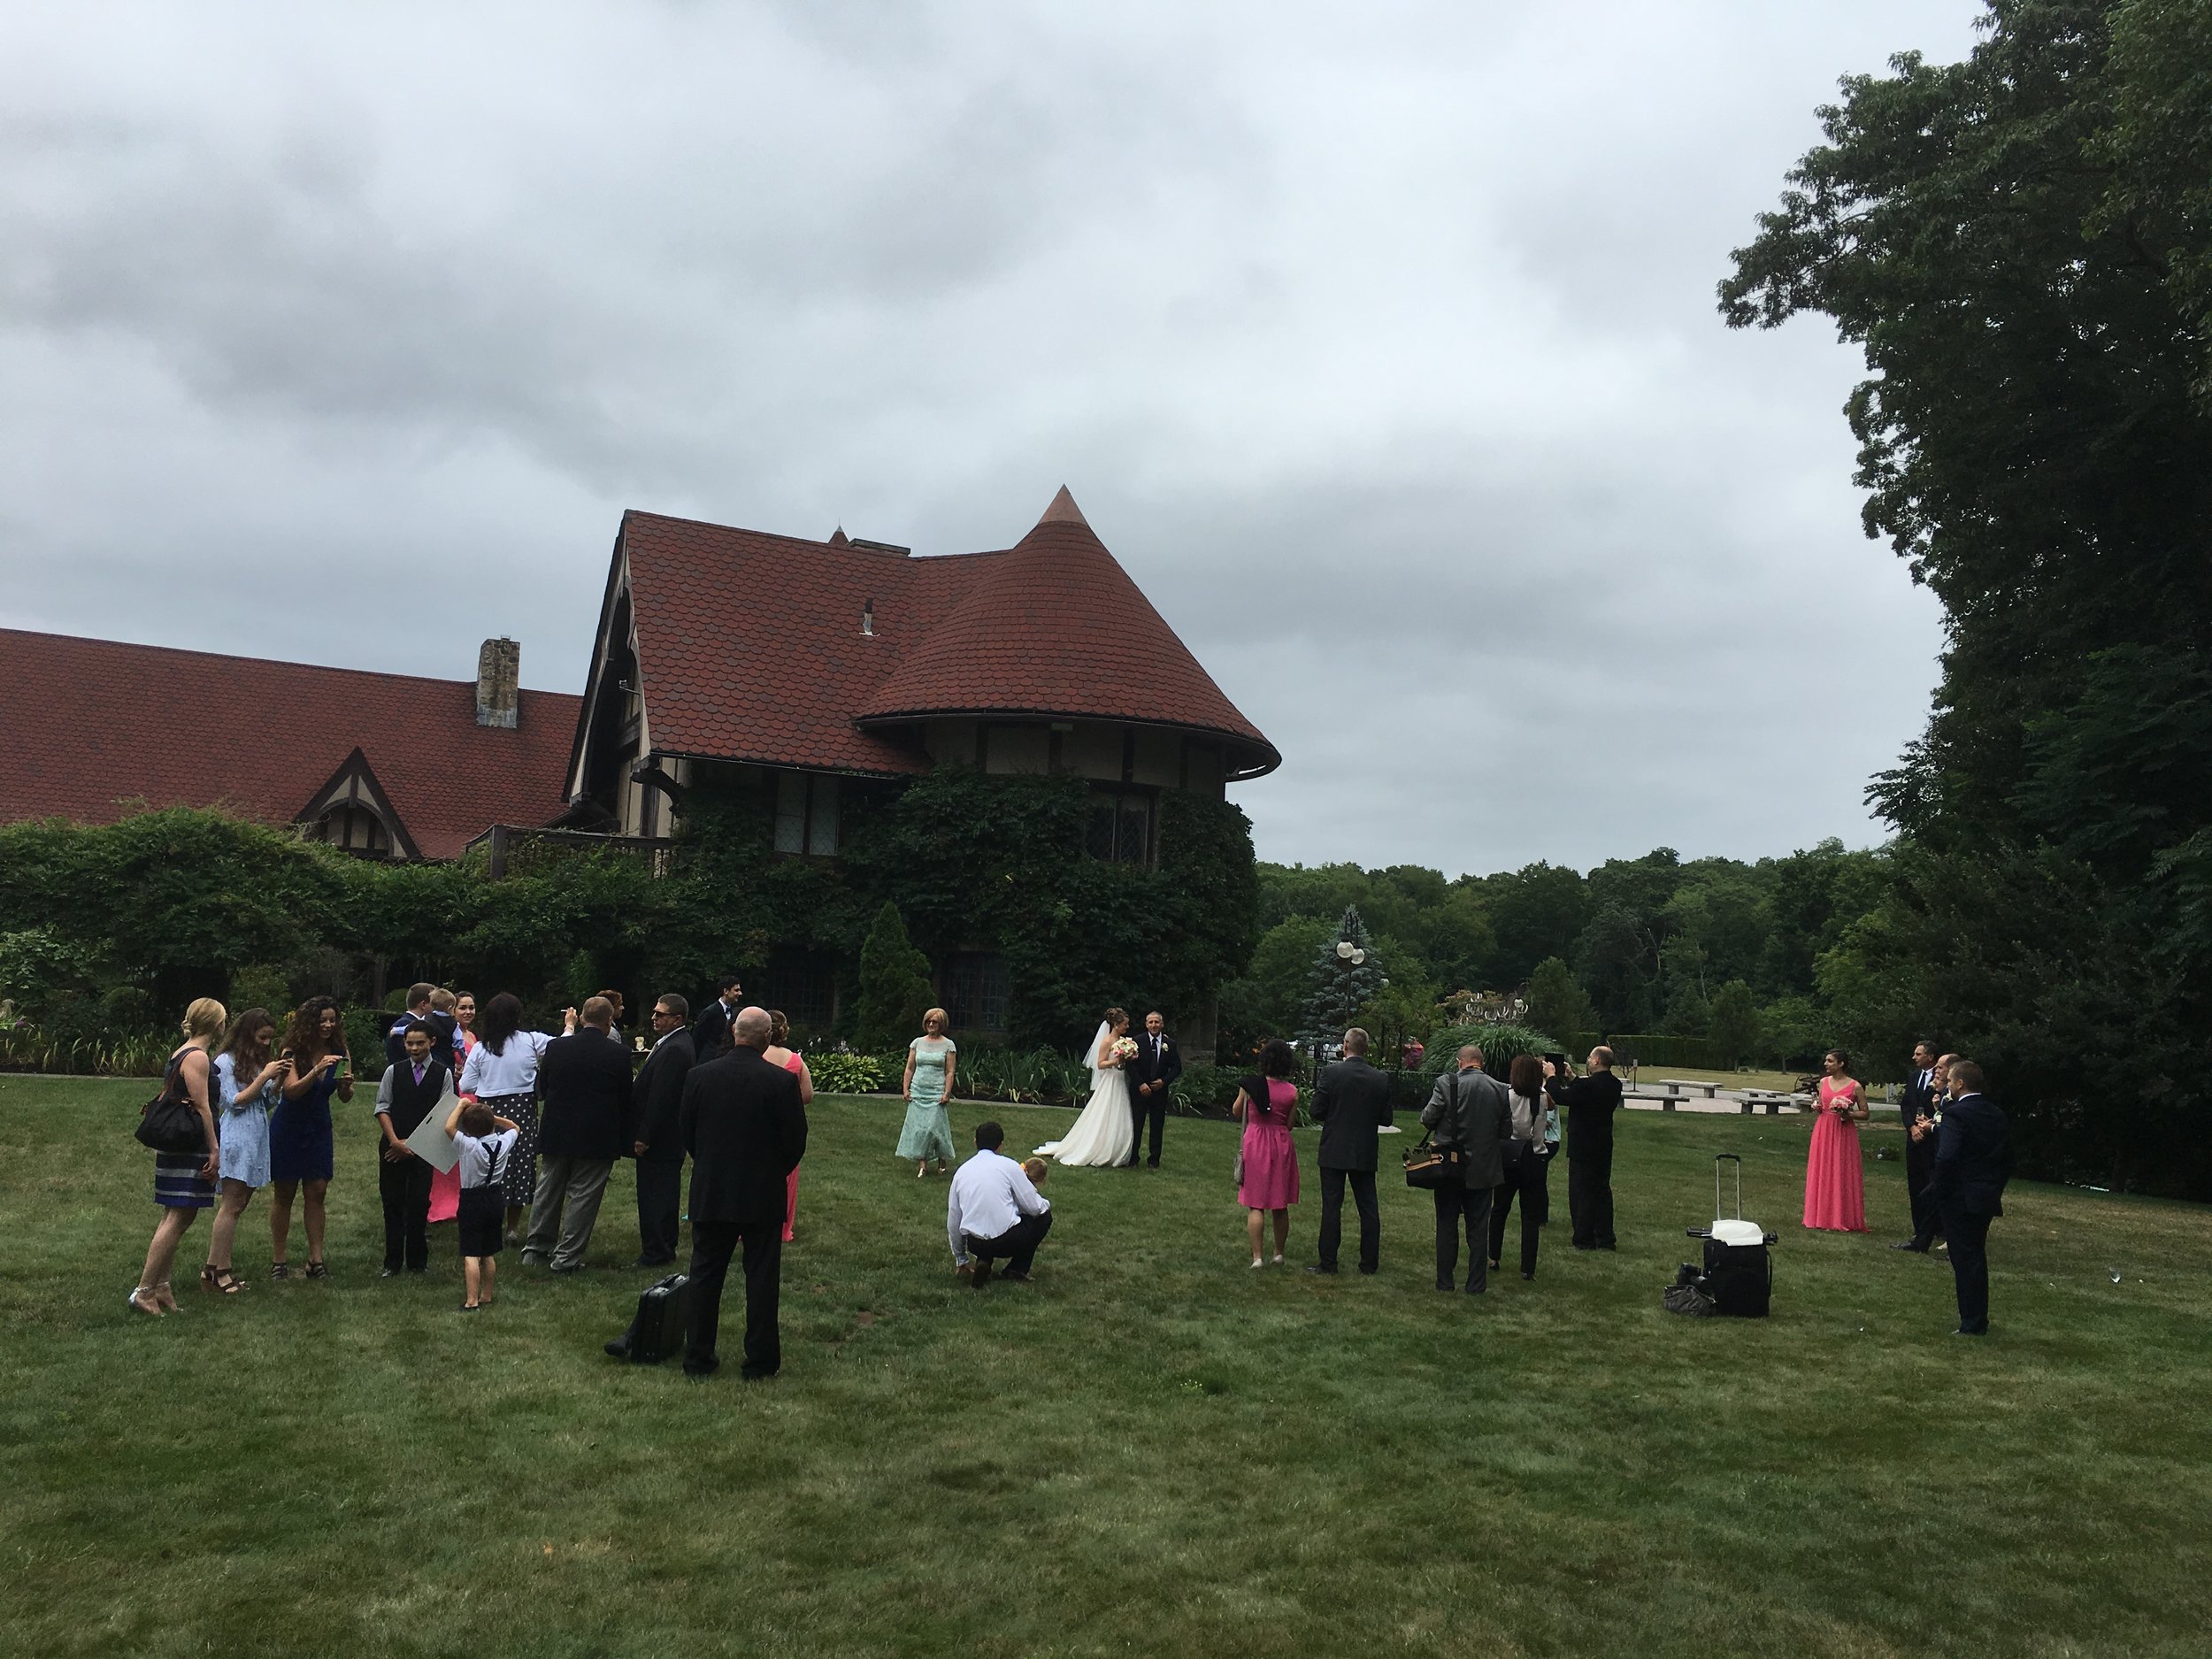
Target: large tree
(2019,242)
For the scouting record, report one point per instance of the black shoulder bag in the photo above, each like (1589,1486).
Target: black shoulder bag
(170,1125)
(1430,1166)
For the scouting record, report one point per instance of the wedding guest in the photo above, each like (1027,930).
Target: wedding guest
(710,1035)
(1266,1102)
(1916,1111)
(418,1013)
(930,1061)
(745,1130)
(614,1000)
(1526,1154)
(585,1083)
(300,1136)
(656,1141)
(248,1083)
(485,1142)
(1551,1153)
(414,1090)
(1835,1183)
(1471,1112)
(1973,1161)
(445,1184)
(1351,1102)
(1591,1102)
(781,1053)
(1150,1073)
(993,1210)
(503,1072)
(184,1182)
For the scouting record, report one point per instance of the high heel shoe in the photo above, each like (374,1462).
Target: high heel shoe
(164,1298)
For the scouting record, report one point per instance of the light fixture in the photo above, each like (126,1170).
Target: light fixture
(1344,948)
(1358,956)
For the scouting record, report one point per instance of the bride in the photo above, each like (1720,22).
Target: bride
(1104,1133)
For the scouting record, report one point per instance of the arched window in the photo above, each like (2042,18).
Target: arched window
(355,828)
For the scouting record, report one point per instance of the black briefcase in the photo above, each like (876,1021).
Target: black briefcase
(663,1311)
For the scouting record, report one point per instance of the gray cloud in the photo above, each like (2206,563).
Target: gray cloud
(1378,344)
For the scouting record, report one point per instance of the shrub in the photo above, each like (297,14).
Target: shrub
(1501,1045)
(1206,1090)
(1648,1048)
(893,983)
(838,1073)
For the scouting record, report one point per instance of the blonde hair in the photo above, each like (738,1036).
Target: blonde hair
(205,1018)
(444,1000)
(939,1015)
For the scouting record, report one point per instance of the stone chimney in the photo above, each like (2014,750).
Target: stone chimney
(498,673)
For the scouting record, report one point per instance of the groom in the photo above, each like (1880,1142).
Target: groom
(1156,1063)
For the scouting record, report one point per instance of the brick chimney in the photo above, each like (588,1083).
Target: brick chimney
(498,673)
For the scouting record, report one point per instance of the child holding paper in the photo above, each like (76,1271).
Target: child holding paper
(408,1093)
(485,1142)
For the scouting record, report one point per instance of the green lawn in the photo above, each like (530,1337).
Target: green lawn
(1151,1449)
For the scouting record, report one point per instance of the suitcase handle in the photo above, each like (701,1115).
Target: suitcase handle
(1720,1158)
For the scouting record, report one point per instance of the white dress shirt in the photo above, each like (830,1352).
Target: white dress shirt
(989,1196)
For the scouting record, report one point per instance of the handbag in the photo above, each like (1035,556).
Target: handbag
(1430,1166)
(170,1125)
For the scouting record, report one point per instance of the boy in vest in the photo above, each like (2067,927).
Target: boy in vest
(408,1093)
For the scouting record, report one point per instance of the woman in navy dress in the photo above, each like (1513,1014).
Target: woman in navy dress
(300,1138)
(184,1182)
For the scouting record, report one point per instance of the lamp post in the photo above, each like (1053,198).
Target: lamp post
(1349,958)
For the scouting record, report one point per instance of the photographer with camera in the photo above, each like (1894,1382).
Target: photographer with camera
(1590,1102)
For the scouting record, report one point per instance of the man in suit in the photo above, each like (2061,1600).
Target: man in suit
(1156,1063)
(1351,1102)
(1590,1102)
(745,1128)
(1915,1109)
(1973,1161)
(1472,1111)
(655,1141)
(582,1129)
(417,1014)
(711,1036)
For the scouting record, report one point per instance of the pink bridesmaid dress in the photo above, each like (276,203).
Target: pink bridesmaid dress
(1835,1184)
(445,1188)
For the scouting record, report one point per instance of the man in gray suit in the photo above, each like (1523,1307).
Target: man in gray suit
(1472,1111)
(1351,1102)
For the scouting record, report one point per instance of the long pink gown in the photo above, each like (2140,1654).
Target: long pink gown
(1835,1184)
(445,1188)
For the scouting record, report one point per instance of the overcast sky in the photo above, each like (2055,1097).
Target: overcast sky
(1377,340)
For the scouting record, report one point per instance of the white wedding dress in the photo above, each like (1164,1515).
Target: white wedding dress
(1105,1133)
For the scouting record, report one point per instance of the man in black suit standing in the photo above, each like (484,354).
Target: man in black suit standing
(1915,1109)
(1351,1102)
(1590,1102)
(746,1131)
(656,1141)
(584,1127)
(710,1035)
(1471,1112)
(1973,1161)
(1157,1062)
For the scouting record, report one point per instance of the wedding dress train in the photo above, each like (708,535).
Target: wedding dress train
(1104,1133)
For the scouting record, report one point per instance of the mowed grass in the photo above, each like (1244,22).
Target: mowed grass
(1151,1449)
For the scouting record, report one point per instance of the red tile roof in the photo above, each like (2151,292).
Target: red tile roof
(92,729)
(750,647)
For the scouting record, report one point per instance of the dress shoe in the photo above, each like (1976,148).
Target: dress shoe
(573,1267)
(1530,1277)
(1369,1271)
(981,1276)
(752,1374)
(619,1348)
(1322,1267)
(701,1371)
(1916,1249)
(1152,1164)
(1962,1331)
(654,1261)
(1494,1266)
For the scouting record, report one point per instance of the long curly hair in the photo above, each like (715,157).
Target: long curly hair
(304,1036)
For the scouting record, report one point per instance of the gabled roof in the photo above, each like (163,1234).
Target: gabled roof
(750,646)
(95,729)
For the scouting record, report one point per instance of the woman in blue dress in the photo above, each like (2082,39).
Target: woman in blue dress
(248,1083)
(184,1182)
(300,1139)
(931,1061)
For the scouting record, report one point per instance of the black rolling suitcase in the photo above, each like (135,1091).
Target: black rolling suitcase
(1739,1271)
(663,1311)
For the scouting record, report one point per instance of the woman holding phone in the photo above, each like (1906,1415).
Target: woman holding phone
(300,1139)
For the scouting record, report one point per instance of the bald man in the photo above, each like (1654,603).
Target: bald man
(743,1125)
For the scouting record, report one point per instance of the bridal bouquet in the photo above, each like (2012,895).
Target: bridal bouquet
(1124,1048)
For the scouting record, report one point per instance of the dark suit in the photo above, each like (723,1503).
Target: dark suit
(1472,1112)
(582,1129)
(1916,1101)
(1590,1104)
(711,1032)
(1973,1161)
(1351,1102)
(745,1128)
(654,1099)
(1145,1067)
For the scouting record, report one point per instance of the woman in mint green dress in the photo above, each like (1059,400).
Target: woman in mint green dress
(931,1060)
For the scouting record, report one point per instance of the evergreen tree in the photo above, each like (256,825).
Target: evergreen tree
(1346,977)
(895,991)
(1557,1003)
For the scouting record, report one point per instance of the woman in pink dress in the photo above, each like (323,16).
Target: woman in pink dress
(1266,1104)
(445,1186)
(1835,1187)
(778,1052)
